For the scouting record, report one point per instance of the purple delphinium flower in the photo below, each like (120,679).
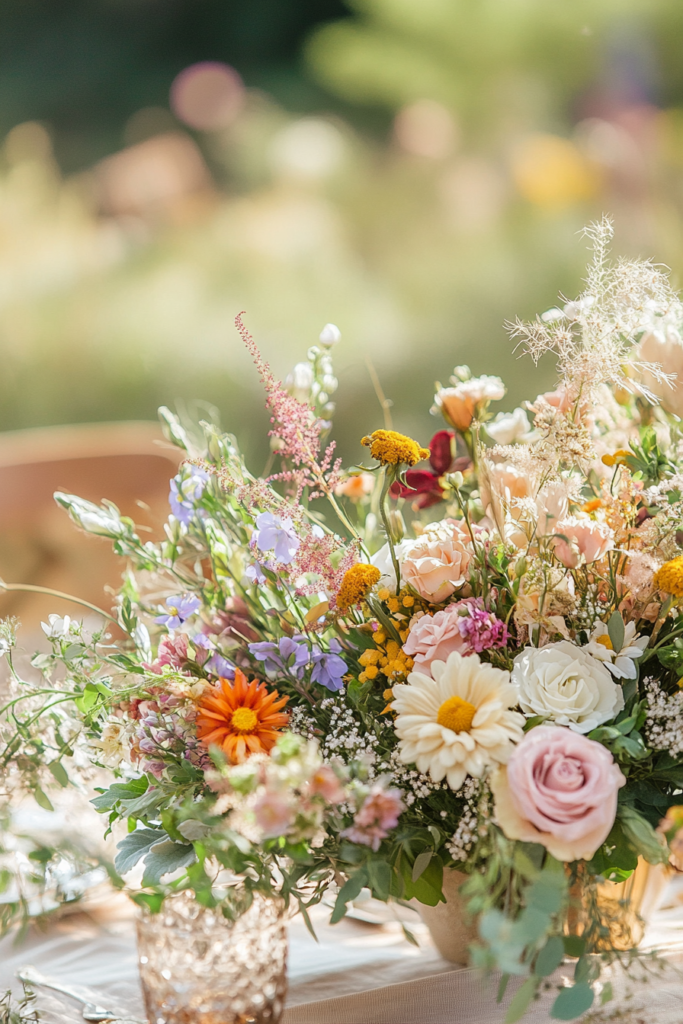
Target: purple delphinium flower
(287,655)
(275,534)
(207,654)
(185,490)
(328,669)
(256,574)
(482,629)
(179,609)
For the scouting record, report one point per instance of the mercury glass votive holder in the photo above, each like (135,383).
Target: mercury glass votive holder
(197,967)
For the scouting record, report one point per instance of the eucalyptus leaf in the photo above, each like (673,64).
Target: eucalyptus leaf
(572,1002)
(520,1001)
(616,631)
(550,957)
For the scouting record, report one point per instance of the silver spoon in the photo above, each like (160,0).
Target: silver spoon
(91,1011)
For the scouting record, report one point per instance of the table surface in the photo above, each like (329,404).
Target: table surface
(357,973)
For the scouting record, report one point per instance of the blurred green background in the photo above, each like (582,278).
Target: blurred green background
(415,172)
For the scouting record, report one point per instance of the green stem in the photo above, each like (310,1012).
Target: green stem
(388,480)
(33,589)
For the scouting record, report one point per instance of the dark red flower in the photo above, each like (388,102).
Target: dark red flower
(424,483)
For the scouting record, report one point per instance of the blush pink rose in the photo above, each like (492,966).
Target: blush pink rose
(580,541)
(558,789)
(437,562)
(434,637)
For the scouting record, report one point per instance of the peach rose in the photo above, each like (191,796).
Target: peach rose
(559,789)
(434,637)
(437,562)
(356,487)
(578,541)
(460,403)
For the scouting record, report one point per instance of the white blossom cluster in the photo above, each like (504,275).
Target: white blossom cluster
(415,784)
(345,738)
(664,724)
(469,827)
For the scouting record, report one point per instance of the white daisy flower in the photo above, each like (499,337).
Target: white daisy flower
(459,722)
(620,663)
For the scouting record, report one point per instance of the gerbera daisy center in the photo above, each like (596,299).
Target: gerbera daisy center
(244,720)
(456,714)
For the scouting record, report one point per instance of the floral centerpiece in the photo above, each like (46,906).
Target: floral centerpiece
(465,655)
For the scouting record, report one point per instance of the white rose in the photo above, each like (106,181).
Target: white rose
(509,427)
(566,684)
(382,561)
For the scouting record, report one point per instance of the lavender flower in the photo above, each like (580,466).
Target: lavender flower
(275,534)
(180,608)
(286,656)
(329,669)
(185,491)
(482,629)
(208,654)
(256,574)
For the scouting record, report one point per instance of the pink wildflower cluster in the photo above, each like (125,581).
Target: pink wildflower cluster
(296,427)
(165,732)
(378,814)
(482,630)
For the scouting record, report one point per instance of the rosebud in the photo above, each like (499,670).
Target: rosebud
(397,526)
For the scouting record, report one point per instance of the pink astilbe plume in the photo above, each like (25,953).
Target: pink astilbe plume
(294,424)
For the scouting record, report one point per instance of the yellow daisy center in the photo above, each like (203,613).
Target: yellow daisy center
(456,714)
(605,641)
(244,720)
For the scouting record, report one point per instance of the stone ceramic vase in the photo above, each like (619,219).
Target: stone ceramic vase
(452,933)
(446,921)
(196,967)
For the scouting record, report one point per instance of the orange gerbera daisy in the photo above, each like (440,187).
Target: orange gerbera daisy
(241,718)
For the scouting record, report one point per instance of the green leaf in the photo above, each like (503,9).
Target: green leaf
(152,900)
(120,791)
(502,985)
(587,969)
(550,957)
(349,891)
(649,844)
(428,887)
(574,945)
(521,1000)
(616,631)
(42,799)
(379,878)
(59,773)
(421,863)
(165,857)
(135,846)
(572,1002)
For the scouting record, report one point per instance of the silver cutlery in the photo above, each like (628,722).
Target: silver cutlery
(91,1011)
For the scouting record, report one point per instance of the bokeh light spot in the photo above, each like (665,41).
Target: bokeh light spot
(309,148)
(426,128)
(207,96)
(552,172)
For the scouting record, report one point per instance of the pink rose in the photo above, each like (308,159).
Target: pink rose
(559,789)
(437,562)
(434,637)
(579,541)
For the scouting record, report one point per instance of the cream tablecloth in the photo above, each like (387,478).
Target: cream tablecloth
(356,974)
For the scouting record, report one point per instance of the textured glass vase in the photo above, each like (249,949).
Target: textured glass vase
(198,968)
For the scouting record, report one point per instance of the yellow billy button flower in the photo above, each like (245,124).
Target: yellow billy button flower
(391,448)
(670,577)
(357,583)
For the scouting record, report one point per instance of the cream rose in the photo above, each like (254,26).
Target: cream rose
(437,562)
(567,685)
